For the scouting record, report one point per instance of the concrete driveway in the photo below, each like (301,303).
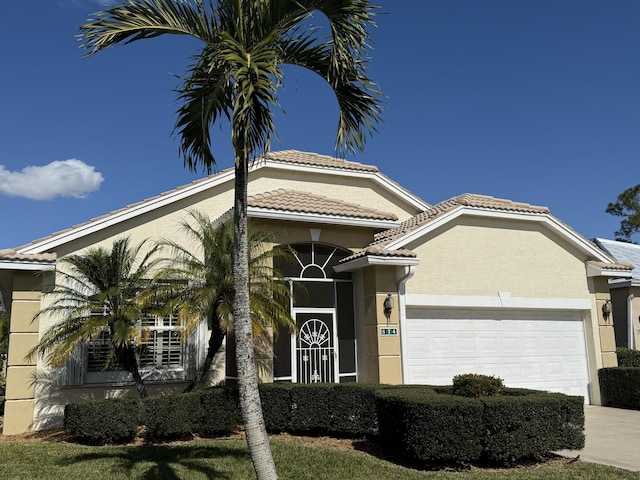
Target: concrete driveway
(612,438)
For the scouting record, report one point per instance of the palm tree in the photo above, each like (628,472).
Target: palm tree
(100,291)
(235,77)
(203,282)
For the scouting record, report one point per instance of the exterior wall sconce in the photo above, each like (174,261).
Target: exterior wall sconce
(606,309)
(388,306)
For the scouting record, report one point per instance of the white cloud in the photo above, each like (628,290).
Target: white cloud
(62,178)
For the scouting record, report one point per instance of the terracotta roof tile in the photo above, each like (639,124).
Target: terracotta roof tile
(295,201)
(467,200)
(378,251)
(307,158)
(12,255)
(612,266)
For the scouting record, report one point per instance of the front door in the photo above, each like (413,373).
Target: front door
(316,356)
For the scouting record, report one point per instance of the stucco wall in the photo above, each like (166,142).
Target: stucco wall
(478,256)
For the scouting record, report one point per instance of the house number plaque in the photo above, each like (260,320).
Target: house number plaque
(388,332)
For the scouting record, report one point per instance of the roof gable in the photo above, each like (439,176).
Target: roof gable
(288,159)
(481,205)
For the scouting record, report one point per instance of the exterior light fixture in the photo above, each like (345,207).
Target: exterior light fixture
(606,309)
(388,306)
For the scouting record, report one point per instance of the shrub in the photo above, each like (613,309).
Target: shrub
(219,410)
(522,427)
(620,387)
(172,416)
(353,409)
(475,385)
(627,357)
(430,429)
(276,406)
(310,410)
(113,420)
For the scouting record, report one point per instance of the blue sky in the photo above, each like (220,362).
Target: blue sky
(535,101)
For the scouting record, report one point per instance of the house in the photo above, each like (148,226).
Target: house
(399,290)
(625,292)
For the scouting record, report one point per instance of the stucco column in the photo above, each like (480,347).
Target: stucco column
(21,371)
(384,362)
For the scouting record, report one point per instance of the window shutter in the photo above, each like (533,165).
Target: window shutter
(74,367)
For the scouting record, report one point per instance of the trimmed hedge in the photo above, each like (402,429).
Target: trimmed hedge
(523,427)
(430,429)
(219,411)
(427,425)
(172,416)
(474,385)
(113,420)
(620,387)
(627,357)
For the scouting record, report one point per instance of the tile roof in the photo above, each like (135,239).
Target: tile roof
(285,156)
(317,160)
(378,251)
(304,202)
(464,200)
(623,252)
(11,255)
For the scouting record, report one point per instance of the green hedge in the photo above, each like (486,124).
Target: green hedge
(620,387)
(628,357)
(427,425)
(219,411)
(527,427)
(172,416)
(430,429)
(113,420)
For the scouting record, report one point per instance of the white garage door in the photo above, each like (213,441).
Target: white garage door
(539,350)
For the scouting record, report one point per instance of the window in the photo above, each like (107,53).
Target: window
(161,349)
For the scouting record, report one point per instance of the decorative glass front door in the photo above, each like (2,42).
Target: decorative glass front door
(315,350)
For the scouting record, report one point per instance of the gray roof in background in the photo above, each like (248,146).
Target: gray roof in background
(623,252)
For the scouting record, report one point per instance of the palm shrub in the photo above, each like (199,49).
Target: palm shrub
(475,385)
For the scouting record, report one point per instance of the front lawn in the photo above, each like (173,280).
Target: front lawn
(295,458)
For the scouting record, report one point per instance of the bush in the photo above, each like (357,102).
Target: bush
(172,416)
(219,411)
(113,420)
(353,409)
(430,429)
(627,357)
(310,412)
(518,428)
(620,387)
(276,406)
(475,385)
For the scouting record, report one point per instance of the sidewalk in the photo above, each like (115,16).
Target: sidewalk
(612,438)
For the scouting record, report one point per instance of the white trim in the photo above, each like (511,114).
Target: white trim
(272,214)
(26,266)
(547,219)
(368,260)
(127,213)
(596,271)
(503,300)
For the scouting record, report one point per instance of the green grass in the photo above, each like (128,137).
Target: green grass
(229,460)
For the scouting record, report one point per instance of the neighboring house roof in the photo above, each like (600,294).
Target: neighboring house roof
(623,252)
(287,159)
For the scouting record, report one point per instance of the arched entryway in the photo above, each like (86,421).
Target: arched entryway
(324,348)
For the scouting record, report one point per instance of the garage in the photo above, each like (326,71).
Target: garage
(543,350)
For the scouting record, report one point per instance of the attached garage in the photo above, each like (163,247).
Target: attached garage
(543,350)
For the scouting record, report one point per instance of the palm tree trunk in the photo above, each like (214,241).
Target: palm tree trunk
(250,405)
(127,358)
(215,342)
